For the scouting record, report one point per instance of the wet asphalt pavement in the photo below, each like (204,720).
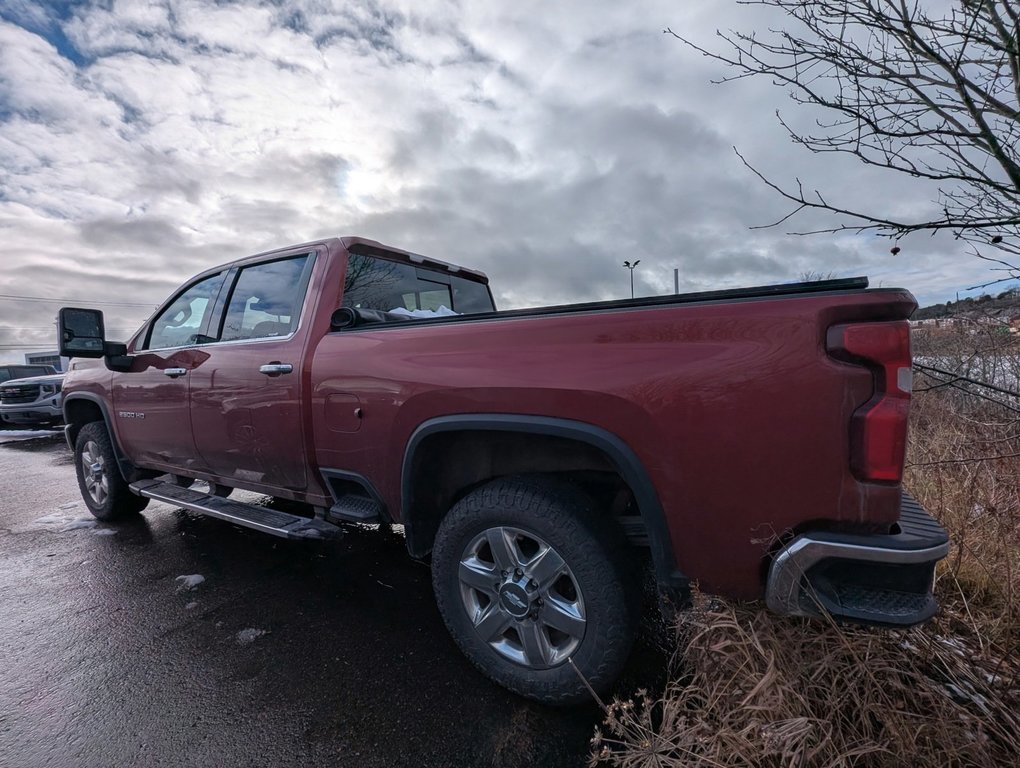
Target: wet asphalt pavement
(286,653)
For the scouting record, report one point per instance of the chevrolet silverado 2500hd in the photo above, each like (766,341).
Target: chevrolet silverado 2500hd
(751,440)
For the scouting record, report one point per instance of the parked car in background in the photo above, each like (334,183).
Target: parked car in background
(8,372)
(34,401)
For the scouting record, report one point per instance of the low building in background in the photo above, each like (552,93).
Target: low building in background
(50,357)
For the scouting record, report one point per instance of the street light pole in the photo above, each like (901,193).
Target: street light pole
(630,266)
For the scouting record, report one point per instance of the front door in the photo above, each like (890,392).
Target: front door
(246,397)
(150,402)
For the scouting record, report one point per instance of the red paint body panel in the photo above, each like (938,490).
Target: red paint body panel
(735,410)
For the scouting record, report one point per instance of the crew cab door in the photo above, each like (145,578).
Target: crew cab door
(246,397)
(150,400)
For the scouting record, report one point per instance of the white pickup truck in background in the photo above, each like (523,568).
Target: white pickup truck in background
(33,401)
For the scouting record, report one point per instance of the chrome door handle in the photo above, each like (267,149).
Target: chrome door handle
(173,373)
(275,369)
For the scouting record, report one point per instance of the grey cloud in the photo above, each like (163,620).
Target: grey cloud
(433,130)
(166,177)
(79,278)
(544,148)
(131,234)
(371,25)
(729,261)
(265,218)
(552,240)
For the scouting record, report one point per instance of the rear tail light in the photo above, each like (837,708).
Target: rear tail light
(878,429)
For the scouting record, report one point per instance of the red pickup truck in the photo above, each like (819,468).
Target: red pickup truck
(750,440)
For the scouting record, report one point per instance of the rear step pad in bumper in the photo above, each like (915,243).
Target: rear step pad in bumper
(353,508)
(881,579)
(249,515)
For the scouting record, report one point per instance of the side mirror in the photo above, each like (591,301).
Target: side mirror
(82,333)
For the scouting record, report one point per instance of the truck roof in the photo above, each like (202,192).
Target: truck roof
(363,243)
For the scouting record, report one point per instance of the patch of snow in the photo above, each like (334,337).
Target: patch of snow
(961,695)
(105,532)
(908,646)
(80,522)
(953,644)
(61,523)
(442,311)
(68,505)
(189,582)
(249,636)
(192,605)
(14,436)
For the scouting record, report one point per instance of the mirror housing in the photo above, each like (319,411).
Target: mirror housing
(82,333)
(345,317)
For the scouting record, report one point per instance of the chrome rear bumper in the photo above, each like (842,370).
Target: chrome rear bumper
(883,579)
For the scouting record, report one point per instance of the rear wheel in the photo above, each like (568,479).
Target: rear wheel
(106,493)
(528,579)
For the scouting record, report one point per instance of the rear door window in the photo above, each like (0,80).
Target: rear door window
(266,299)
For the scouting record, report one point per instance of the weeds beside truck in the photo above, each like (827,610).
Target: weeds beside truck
(751,441)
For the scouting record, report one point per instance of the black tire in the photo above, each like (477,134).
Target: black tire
(104,490)
(601,585)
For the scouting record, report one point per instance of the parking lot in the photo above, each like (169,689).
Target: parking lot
(178,640)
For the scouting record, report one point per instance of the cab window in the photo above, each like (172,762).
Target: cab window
(266,300)
(186,320)
(374,283)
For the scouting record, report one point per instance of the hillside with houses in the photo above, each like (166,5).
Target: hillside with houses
(981,312)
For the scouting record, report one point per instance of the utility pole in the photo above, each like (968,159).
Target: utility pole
(630,266)
(676,281)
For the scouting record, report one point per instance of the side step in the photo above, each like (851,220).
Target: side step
(353,508)
(249,515)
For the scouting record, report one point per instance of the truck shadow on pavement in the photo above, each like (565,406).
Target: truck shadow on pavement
(341,641)
(175,639)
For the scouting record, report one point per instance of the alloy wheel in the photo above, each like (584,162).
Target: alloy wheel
(521,597)
(93,466)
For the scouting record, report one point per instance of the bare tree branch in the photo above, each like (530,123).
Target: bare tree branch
(932,96)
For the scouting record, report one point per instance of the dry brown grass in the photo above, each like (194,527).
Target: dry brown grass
(759,690)
(964,467)
(752,689)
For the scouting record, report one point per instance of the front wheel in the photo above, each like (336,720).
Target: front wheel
(537,588)
(106,493)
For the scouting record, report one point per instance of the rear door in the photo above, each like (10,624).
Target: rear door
(246,397)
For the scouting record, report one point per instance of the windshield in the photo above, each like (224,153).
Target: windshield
(23,371)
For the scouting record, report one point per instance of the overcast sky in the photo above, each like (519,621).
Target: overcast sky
(544,143)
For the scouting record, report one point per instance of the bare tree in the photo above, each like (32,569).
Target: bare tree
(934,95)
(813,276)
